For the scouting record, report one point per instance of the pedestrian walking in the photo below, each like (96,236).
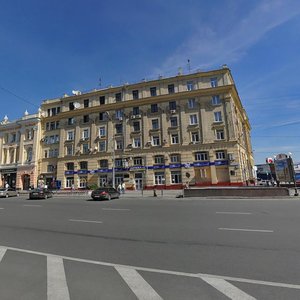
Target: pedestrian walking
(123,187)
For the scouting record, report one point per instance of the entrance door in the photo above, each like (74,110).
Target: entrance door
(26,182)
(102,180)
(138,181)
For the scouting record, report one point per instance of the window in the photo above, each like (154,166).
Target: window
(137,161)
(191,103)
(53,153)
(173,122)
(175,139)
(103,163)
(119,144)
(201,156)
(154,108)
(215,100)
(119,114)
(193,119)
(102,131)
(220,134)
(195,137)
(155,124)
(71,106)
(159,159)
(159,178)
(102,116)
(220,154)
(214,82)
(83,165)
(118,162)
(175,158)
(137,142)
(86,118)
(155,141)
(85,148)
(118,97)
(218,116)
(119,128)
(102,100)
(136,126)
(69,150)
(102,146)
(70,135)
(190,85)
(70,166)
(86,103)
(85,134)
(29,154)
(135,94)
(176,177)
(153,91)
(171,89)
(172,105)
(50,168)
(71,121)
(135,111)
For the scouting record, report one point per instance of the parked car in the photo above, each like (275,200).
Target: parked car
(8,192)
(105,193)
(40,193)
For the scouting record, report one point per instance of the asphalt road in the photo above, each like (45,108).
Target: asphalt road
(149,248)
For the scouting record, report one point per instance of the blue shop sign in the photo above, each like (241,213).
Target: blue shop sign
(202,164)
(70,172)
(172,166)
(221,162)
(83,171)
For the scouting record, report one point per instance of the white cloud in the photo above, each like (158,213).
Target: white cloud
(214,45)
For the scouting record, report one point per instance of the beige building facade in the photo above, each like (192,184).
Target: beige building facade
(164,133)
(19,151)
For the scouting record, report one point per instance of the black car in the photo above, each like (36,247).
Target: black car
(105,193)
(40,194)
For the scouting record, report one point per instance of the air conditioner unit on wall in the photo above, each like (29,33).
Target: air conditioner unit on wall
(173,111)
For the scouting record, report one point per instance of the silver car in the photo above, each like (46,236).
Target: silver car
(9,192)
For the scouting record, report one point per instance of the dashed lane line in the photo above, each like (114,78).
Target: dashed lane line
(160,271)
(117,209)
(85,221)
(246,230)
(140,287)
(32,205)
(233,213)
(57,288)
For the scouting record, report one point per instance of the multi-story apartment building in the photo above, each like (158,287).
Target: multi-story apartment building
(166,132)
(19,150)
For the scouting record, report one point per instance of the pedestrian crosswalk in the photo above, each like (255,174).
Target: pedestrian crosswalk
(31,275)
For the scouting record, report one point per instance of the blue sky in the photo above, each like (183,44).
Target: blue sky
(48,48)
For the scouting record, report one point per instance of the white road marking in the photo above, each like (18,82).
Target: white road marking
(1,207)
(84,221)
(125,209)
(160,271)
(141,288)
(227,289)
(33,205)
(247,230)
(233,213)
(57,288)
(2,253)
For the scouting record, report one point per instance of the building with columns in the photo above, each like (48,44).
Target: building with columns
(19,151)
(165,133)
